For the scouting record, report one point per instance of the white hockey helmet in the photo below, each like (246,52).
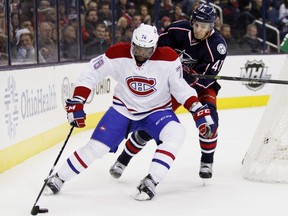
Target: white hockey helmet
(144,41)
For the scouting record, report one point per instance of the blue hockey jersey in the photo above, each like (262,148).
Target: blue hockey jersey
(197,56)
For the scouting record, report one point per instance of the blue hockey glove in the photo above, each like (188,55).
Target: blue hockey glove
(75,113)
(204,122)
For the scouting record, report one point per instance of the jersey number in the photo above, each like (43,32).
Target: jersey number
(218,65)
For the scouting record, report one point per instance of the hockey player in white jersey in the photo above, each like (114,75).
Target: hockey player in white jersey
(146,77)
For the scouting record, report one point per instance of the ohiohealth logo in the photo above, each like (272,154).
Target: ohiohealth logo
(11,111)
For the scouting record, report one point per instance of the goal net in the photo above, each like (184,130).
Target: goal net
(267,157)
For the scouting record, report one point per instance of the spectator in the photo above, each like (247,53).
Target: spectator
(3,42)
(92,5)
(121,8)
(238,20)
(217,24)
(50,15)
(178,14)
(244,5)
(256,9)
(127,35)
(3,49)
(26,52)
(14,20)
(25,22)
(118,34)
(91,21)
(249,42)
(26,9)
(122,24)
(136,21)
(62,14)
(98,44)
(56,39)
(105,15)
(166,9)
(165,22)
(232,45)
(187,6)
(44,5)
(46,44)
(107,38)
(144,13)
(283,17)
(70,45)
(131,11)
(230,11)
(151,8)
(73,21)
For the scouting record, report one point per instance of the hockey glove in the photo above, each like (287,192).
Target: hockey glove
(204,122)
(75,113)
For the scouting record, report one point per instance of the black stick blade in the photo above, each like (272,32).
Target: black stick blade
(36,209)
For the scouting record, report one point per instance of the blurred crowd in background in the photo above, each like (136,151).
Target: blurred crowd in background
(51,31)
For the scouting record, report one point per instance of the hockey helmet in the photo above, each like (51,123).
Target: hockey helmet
(204,13)
(144,41)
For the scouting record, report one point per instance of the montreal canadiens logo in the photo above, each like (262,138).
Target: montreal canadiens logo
(141,86)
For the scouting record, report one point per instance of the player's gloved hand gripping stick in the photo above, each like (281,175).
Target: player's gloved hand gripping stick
(75,113)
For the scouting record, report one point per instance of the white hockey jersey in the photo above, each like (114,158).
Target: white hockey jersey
(140,90)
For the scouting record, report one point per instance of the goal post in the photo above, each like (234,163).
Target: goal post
(267,157)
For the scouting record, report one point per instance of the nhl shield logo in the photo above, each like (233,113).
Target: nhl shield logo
(255,70)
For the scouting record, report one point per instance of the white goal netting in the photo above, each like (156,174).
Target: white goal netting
(267,157)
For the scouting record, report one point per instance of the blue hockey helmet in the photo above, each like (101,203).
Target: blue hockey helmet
(204,13)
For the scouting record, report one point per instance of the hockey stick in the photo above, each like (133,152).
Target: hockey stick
(36,209)
(217,77)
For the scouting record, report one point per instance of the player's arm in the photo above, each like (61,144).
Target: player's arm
(212,58)
(211,64)
(166,38)
(94,72)
(188,97)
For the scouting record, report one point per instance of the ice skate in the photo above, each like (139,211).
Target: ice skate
(146,189)
(54,184)
(117,169)
(206,170)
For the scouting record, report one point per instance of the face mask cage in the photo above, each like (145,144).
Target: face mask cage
(144,52)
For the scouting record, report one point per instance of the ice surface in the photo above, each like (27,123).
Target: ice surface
(96,193)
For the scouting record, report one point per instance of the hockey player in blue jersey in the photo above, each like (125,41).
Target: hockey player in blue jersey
(202,50)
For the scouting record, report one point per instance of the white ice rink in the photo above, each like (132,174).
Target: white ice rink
(95,193)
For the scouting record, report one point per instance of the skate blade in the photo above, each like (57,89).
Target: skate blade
(140,196)
(205,181)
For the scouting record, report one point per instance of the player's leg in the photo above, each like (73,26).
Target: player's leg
(133,145)
(101,142)
(208,146)
(77,163)
(170,137)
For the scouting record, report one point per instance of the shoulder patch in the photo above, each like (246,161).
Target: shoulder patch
(119,50)
(221,48)
(164,53)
